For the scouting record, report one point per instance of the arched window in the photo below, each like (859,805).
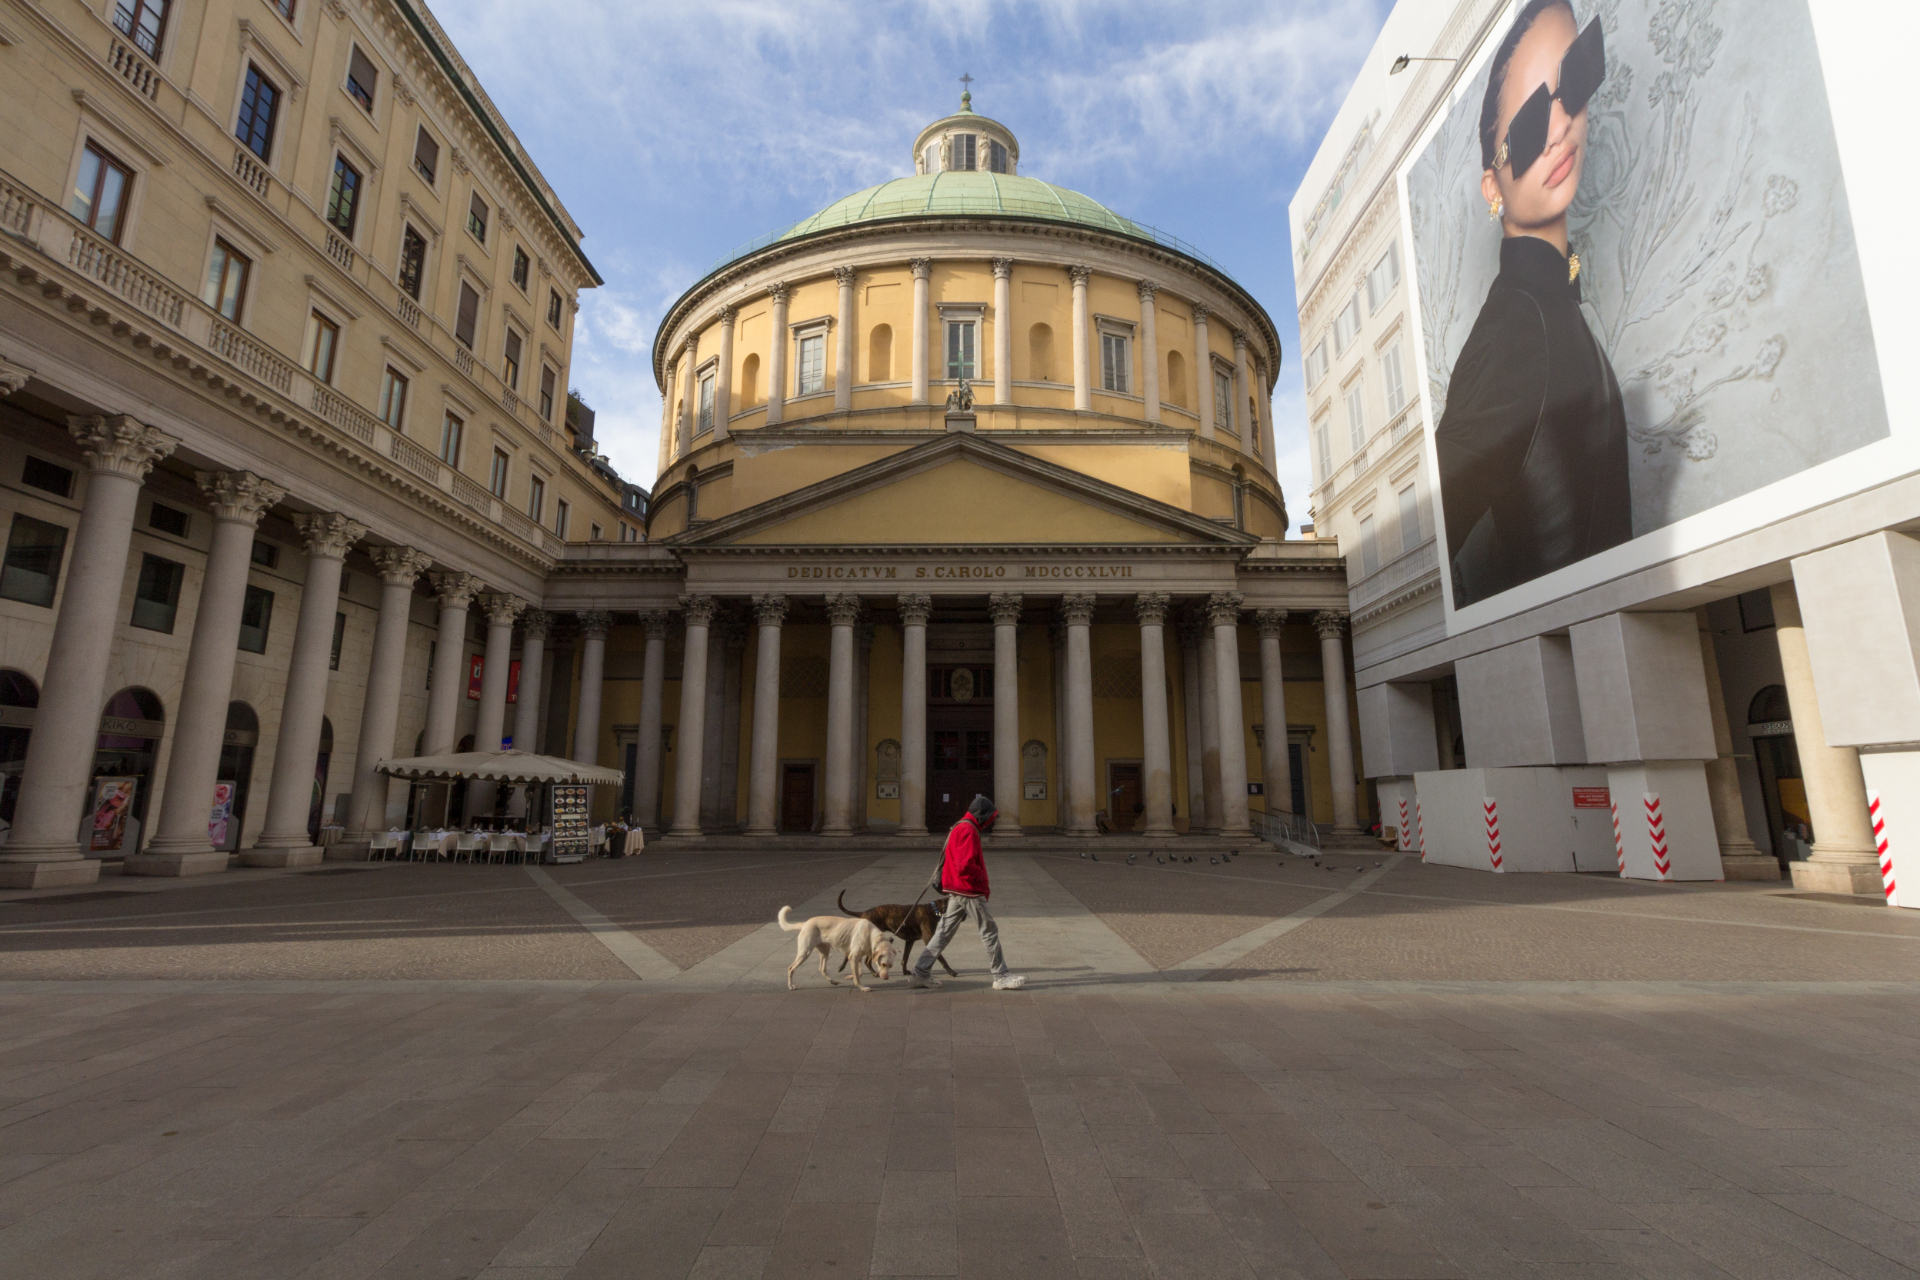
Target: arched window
(1040,353)
(1176,393)
(750,382)
(880,354)
(1769,706)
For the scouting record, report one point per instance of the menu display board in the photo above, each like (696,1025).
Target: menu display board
(571,835)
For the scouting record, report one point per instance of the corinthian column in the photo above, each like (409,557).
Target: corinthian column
(1210,727)
(667,429)
(490,725)
(1004,608)
(1242,390)
(594,626)
(922,268)
(843,343)
(693,717)
(180,845)
(447,680)
(1077,612)
(653,700)
(842,611)
(1148,359)
(534,624)
(1223,611)
(285,840)
(1333,679)
(1156,734)
(1192,632)
(1275,769)
(1082,388)
(914,612)
(1003,332)
(1203,369)
(400,568)
(689,410)
(43,849)
(776,390)
(763,769)
(723,376)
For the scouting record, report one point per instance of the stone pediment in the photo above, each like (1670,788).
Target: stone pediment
(961,491)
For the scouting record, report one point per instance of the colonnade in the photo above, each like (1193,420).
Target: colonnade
(1250,419)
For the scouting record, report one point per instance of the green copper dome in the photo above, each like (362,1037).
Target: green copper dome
(933,195)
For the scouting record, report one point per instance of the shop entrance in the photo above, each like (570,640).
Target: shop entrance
(229,818)
(1783,790)
(18,698)
(130,733)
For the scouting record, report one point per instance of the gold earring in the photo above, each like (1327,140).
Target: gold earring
(1494,206)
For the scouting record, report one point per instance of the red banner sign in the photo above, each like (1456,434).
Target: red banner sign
(1591,798)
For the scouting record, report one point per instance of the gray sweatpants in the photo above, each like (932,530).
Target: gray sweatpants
(959,906)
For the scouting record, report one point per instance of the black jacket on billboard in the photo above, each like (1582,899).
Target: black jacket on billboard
(1532,445)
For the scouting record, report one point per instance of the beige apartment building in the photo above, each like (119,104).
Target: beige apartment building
(286,323)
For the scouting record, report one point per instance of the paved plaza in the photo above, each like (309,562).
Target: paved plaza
(1260,1068)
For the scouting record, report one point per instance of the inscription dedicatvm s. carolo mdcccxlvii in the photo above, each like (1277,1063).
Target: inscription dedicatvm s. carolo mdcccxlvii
(972,572)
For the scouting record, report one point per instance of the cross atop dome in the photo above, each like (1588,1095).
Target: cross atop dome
(966,92)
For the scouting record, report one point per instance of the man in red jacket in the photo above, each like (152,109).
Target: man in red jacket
(963,878)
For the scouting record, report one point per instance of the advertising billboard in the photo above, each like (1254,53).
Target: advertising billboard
(1638,290)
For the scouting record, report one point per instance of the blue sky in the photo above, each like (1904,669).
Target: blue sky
(675,132)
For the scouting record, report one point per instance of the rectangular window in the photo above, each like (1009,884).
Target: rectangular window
(168,520)
(156,598)
(706,403)
(226,280)
(100,192)
(1369,546)
(810,370)
(343,198)
(413,261)
(322,340)
(596,534)
(393,398)
(1317,362)
(450,433)
(996,156)
(560,513)
(142,21)
(536,498)
(284,8)
(32,567)
(1382,279)
(510,361)
(256,615)
(1322,443)
(1409,520)
(339,639)
(1356,417)
(477,212)
(549,381)
(1222,400)
(960,348)
(265,554)
(497,478)
(963,152)
(361,79)
(1113,362)
(1346,326)
(426,156)
(38,473)
(1394,381)
(259,105)
(520,265)
(553,309)
(467,321)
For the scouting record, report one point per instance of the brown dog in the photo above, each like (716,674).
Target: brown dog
(910,924)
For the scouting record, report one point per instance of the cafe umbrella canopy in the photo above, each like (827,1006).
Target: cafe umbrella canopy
(499,766)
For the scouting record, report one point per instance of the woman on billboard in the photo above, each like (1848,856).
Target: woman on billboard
(1532,445)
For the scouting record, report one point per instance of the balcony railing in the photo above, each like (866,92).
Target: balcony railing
(474,495)
(345,414)
(105,263)
(340,251)
(409,311)
(252,174)
(237,349)
(414,458)
(134,68)
(463,359)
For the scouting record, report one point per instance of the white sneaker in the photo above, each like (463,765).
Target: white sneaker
(922,980)
(1009,982)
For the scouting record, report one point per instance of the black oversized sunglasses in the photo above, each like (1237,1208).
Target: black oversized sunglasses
(1581,71)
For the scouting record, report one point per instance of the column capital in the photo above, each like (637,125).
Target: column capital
(699,610)
(843,276)
(13,377)
(1270,622)
(1004,607)
(239,496)
(1223,608)
(843,609)
(728,314)
(501,608)
(536,622)
(1002,268)
(770,610)
(921,267)
(1147,291)
(656,622)
(400,566)
(1239,343)
(456,590)
(1077,609)
(1080,275)
(595,623)
(328,534)
(693,348)
(1200,312)
(1328,624)
(1151,607)
(914,610)
(120,445)
(777,292)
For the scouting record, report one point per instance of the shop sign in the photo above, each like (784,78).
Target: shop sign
(1592,798)
(120,728)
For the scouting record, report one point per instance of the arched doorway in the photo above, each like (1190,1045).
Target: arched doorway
(1789,821)
(130,733)
(18,698)
(236,777)
(316,808)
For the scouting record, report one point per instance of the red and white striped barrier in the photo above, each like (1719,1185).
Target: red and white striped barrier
(1492,809)
(1420,828)
(1402,837)
(1880,843)
(1657,836)
(1619,843)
